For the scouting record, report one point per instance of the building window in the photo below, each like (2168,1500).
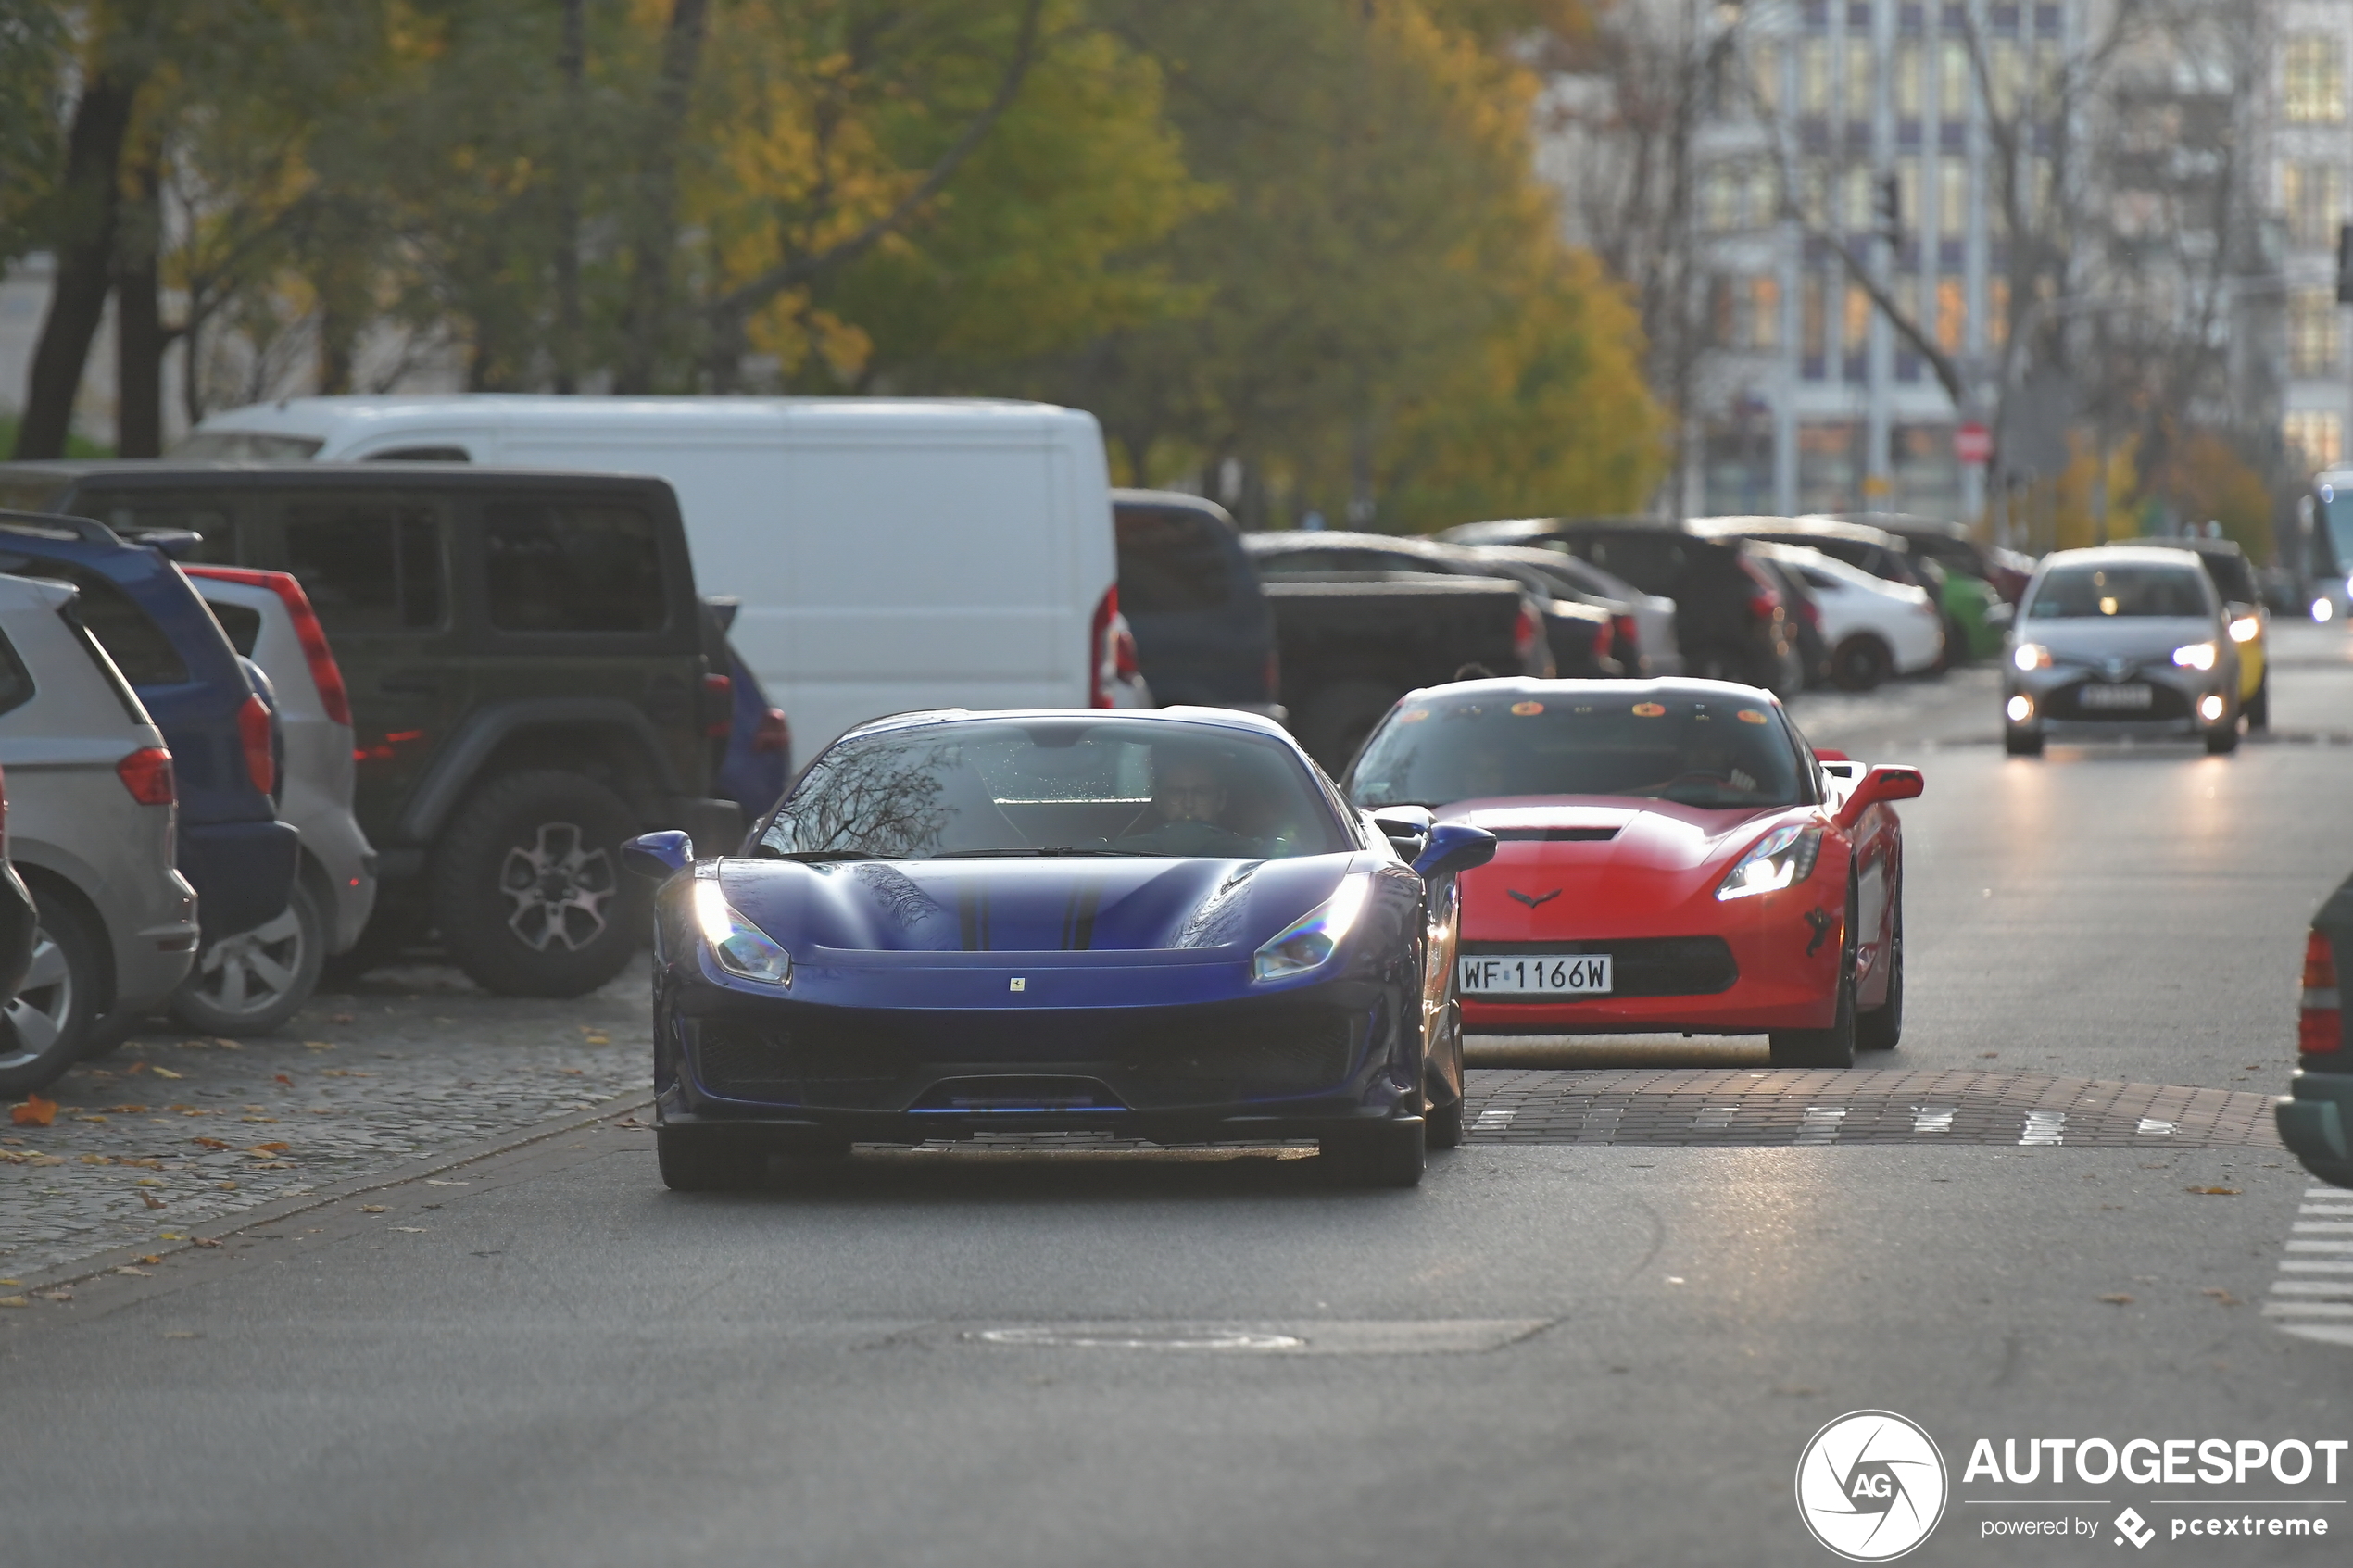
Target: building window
(2311,332)
(2314,437)
(1906,92)
(1955,85)
(2312,197)
(2313,64)
(1814,77)
(1764,312)
(1997,312)
(1907,195)
(1765,75)
(1952,315)
(1858,320)
(1860,219)
(1952,196)
(1813,318)
(1862,69)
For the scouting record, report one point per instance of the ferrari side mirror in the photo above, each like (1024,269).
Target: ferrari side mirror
(1406,827)
(656,855)
(1884,782)
(1455,846)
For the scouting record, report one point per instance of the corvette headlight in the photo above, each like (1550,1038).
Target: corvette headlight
(2245,629)
(740,947)
(1314,937)
(1782,858)
(2197,656)
(2031,656)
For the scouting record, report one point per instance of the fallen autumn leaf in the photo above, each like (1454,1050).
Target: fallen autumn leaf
(35,1113)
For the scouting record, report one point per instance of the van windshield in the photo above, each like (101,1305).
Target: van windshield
(1054,786)
(244,446)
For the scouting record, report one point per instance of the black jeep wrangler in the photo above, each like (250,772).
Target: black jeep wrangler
(531,677)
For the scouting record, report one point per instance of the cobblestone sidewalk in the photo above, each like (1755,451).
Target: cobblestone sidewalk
(172,1130)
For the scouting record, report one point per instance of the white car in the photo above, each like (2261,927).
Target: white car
(255,980)
(889,554)
(1874,628)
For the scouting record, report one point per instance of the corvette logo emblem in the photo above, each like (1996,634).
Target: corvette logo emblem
(1533,900)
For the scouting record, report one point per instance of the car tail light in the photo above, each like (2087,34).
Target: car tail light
(2319,1029)
(1764,600)
(253,733)
(1628,630)
(1528,635)
(334,697)
(1813,613)
(1103,651)
(774,732)
(147,773)
(1605,639)
(719,701)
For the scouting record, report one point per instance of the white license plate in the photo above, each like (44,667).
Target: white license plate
(1534,975)
(2130,696)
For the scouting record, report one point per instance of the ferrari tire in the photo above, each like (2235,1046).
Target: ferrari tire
(1445,1125)
(1879,1029)
(2259,706)
(705,1160)
(1386,1154)
(2022,743)
(1833,1047)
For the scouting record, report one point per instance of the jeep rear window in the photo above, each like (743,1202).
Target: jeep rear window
(561,567)
(139,648)
(368,566)
(1171,560)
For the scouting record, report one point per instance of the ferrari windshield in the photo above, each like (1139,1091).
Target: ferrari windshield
(1705,750)
(2082,592)
(1055,786)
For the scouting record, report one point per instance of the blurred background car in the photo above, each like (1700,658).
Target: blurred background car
(236,853)
(1730,622)
(2250,622)
(2316,1117)
(1808,647)
(1650,648)
(1875,629)
(255,980)
(1966,609)
(1204,632)
(755,763)
(89,818)
(1977,593)
(2120,640)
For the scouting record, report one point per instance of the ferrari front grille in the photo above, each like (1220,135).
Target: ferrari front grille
(1292,1051)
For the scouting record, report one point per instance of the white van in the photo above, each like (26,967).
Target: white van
(888,554)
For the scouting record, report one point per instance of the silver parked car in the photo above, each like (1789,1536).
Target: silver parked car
(255,980)
(92,808)
(2116,641)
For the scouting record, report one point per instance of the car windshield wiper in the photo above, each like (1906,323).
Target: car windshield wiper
(819,856)
(1045,851)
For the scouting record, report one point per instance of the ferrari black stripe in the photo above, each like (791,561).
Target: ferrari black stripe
(1083,902)
(972,917)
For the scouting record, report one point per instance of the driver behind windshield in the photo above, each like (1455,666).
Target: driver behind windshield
(1190,794)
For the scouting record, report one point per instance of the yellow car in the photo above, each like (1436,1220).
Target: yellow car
(2250,622)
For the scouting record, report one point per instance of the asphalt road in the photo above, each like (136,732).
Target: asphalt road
(1588,1347)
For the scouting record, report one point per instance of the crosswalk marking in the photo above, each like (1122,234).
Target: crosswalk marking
(1715,1118)
(2151,1127)
(1493,1121)
(2311,1295)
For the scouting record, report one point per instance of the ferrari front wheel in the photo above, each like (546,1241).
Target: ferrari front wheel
(1833,1047)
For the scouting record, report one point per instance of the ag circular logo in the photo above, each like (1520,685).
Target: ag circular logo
(1872,1485)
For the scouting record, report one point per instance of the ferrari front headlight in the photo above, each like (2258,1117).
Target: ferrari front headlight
(742,948)
(1781,859)
(1310,940)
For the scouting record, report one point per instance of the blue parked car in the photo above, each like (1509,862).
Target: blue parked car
(223,736)
(758,763)
(1167,925)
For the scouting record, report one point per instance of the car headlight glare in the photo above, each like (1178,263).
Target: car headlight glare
(1310,940)
(2020,709)
(1781,859)
(2245,629)
(740,947)
(2031,656)
(2197,656)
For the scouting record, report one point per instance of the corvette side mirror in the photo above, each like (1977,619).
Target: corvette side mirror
(1885,782)
(1406,827)
(1455,846)
(656,855)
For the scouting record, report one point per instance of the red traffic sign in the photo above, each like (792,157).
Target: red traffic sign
(1973,442)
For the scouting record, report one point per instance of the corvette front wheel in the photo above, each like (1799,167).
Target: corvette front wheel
(1833,1047)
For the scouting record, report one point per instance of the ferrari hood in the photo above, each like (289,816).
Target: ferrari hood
(1076,904)
(1601,865)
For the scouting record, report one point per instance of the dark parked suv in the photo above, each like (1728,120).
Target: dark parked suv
(528,677)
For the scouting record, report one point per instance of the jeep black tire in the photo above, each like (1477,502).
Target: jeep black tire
(528,890)
(48,1021)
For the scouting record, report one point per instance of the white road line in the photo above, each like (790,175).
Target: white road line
(2337,1194)
(1493,1121)
(1932,1118)
(2300,1303)
(2313,1287)
(2320,1247)
(1715,1118)
(2308,1308)
(1821,1123)
(2324,1227)
(2152,1128)
(2318,1265)
(2044,1129)
(2326,1208)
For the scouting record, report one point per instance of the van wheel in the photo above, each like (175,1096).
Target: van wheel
(528,890)
(252,981)
(1860,664)
(46,1022)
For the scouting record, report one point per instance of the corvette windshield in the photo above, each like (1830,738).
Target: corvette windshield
(2083,593)
(1712,751)
(1055,786)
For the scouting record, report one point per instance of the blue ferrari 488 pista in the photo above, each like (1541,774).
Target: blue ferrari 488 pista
(1166,924)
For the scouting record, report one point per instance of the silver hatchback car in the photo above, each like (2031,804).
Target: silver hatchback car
(92,808)
(2122,640)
